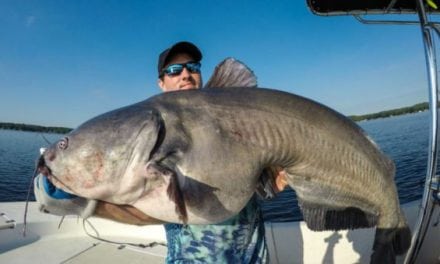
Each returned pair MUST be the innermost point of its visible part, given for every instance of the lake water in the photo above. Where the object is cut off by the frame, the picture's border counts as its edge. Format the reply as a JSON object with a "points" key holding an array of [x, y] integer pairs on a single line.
{"points": [[404, 138]]}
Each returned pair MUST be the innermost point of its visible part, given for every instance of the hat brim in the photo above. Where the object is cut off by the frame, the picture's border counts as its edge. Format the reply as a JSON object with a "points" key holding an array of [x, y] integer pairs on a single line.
{"points": [[180, 47]]}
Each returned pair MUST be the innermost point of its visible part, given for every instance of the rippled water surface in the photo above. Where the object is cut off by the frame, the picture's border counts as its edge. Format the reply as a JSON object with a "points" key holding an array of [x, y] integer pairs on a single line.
{"points": [[18, 153]]}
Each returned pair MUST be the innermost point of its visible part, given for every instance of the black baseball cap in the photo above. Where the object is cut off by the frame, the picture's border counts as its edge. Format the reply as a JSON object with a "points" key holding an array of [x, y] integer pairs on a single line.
{"points": [[179, 47]]}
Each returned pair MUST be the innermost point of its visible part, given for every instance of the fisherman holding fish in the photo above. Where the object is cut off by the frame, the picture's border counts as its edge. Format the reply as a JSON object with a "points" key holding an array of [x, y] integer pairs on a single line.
{"points": [[239, 239], [197, 157]]}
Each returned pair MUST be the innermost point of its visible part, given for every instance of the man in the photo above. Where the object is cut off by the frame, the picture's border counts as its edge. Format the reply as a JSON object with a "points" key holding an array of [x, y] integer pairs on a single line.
{"points": [[179, 68], [239, 239]]}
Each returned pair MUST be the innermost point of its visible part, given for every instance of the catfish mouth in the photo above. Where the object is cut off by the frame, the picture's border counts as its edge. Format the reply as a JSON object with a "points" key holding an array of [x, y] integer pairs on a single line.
{"points": [[43, 168]]}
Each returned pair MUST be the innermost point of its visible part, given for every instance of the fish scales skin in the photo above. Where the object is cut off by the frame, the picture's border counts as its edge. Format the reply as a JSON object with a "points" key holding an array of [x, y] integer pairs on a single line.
{"points": [[216, 142], [316, 165], [257, 131], [252, 129], [359, 164]]}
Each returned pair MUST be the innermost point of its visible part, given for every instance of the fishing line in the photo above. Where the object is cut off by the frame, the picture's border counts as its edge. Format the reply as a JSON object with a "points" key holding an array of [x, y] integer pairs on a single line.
{"points": [[79, 253], [27, 199], [61, 221], [45, 139], [97, 237]]}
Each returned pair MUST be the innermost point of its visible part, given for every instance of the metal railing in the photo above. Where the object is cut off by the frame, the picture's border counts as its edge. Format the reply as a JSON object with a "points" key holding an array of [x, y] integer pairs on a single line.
{"points": [[431, 194]]}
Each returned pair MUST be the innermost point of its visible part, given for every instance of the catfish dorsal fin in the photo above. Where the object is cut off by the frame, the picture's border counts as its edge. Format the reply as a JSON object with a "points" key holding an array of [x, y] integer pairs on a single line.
{"points": [[232, 73]]}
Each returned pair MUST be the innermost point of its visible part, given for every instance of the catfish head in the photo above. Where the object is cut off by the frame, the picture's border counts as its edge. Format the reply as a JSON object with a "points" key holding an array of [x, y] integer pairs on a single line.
{"points": [[105, 157]]}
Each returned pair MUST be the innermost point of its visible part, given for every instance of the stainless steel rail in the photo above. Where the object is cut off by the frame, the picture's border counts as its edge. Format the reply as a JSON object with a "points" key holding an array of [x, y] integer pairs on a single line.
{"points": [[431, 188], [427, 204]]}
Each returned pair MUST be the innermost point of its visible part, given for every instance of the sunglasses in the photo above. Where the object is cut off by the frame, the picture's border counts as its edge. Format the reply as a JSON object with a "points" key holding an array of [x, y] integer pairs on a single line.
{"points": [[176, 69]]}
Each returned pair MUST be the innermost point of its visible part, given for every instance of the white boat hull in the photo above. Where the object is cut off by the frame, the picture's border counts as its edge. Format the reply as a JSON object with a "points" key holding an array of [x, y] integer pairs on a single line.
{"points": [[290, 242], [293, 242]]}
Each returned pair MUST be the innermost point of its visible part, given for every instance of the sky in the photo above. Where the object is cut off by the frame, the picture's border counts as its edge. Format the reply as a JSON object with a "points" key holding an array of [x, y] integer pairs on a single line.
{"points": [[64, 62]]}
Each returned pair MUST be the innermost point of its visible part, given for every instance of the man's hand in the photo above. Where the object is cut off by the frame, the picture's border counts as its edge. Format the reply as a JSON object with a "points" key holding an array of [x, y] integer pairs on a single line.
{"points": [[280, 179], [55, 201], [272, 181]]}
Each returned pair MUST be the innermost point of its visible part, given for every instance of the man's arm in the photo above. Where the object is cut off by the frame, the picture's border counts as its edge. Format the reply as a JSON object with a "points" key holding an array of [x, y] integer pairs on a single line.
{"points": [[124, 213]]}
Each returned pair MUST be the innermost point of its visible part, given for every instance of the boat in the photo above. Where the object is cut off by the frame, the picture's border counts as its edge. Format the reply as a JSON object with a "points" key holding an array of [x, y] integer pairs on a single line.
{"points": [[50, 239]]}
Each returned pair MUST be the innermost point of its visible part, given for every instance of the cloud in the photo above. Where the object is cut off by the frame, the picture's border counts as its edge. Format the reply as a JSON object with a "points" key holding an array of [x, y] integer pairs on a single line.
{"points": [[30, 20]]}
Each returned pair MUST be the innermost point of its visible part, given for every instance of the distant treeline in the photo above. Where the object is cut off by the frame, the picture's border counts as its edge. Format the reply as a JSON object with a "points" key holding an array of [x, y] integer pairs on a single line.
{"points": [[63, 130], [35, 128], [399, 111]]}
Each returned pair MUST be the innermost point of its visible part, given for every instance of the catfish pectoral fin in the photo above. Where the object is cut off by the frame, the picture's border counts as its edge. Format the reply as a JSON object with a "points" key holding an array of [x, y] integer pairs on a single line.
{"points": [[174, 191]]}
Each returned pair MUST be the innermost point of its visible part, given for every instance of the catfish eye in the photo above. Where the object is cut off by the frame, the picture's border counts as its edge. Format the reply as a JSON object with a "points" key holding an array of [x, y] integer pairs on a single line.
{"points": [[63, 143]]}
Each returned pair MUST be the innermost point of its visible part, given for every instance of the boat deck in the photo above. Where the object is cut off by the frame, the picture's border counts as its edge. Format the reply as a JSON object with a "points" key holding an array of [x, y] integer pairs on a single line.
{"points": [[46, 243], [290, 242], [82, 250]]}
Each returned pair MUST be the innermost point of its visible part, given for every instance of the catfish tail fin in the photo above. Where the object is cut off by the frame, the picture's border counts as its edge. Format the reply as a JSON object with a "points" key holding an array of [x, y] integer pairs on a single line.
{"points": [[385, 248]]}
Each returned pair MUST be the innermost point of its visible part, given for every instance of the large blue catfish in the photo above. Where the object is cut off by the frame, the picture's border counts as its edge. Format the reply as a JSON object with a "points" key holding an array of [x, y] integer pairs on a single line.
{"points": [[197, 157]]}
